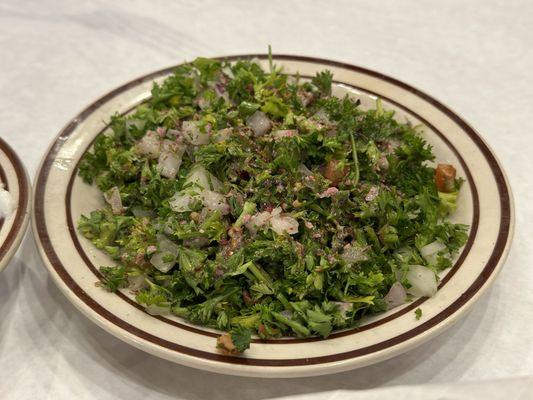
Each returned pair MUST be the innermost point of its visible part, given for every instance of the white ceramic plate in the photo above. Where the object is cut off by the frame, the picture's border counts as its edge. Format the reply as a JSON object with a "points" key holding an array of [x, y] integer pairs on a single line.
{"points": [[485, 204], [14, 179]]}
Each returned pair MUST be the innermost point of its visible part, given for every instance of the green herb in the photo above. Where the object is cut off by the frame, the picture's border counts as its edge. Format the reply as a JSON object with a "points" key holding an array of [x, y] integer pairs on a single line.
{"points": [[257, 203], [241, 338], [418, 313]]}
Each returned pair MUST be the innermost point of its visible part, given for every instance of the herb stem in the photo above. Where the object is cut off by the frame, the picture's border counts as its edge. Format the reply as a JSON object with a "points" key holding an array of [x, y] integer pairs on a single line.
{"points": [[295, 326], [270, 62], [355, 161]]}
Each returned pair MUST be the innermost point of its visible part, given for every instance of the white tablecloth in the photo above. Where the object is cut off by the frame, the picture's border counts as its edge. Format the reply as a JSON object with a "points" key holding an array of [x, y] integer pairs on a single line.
{"points": [[56, 56]]}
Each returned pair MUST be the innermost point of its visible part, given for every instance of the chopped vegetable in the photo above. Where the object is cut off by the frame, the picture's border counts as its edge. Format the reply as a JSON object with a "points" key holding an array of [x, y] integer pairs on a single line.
{"points": [[257, 203], [445, 178]]}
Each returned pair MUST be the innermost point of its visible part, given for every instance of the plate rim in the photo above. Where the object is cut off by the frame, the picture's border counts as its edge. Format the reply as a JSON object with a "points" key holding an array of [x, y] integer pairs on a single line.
{"points": [[300, 370], [22, 215]]}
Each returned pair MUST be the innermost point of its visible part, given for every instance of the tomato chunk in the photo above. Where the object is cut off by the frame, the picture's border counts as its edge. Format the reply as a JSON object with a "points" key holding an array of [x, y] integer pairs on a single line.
{"points": [[334, 172], [445, 178]]}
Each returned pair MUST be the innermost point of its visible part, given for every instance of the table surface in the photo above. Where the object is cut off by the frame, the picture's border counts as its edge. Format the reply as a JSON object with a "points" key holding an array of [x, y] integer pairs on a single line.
{"points": [[58, 56]]}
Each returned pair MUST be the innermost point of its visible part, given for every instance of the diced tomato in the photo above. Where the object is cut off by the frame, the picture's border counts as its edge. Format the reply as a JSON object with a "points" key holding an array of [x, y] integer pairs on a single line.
{"points": [[334, 172], [445, 178], [225, 344]]}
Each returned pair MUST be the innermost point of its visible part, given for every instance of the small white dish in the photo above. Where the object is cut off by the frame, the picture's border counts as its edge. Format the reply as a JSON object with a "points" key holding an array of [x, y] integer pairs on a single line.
{"points": [[14, 180], [485, 204]]}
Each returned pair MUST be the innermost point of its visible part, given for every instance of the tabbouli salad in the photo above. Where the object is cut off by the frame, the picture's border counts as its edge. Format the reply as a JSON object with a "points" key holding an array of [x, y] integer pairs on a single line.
{"points": [[258, 203]]}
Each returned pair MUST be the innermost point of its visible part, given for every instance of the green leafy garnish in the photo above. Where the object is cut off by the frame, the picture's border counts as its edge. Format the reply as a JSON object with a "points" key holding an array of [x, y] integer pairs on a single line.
{"points": [[255, 202]]}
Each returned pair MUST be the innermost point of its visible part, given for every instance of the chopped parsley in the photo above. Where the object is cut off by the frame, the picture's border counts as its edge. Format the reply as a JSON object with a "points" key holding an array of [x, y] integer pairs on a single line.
{"points": [[257, 203]]}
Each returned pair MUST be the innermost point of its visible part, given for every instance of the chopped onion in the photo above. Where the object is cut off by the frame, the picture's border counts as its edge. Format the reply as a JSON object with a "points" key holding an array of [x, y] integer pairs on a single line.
{"points": [[192, 133], [430, 251], [279, 222], [159, 261], [165, 257], [112, 197], [284, 133], [372, 193], [276, 211], [153, 309], [214, 201], [331, 191], [222, 135], [150, 144], [396, 296], [228, 72], [423, 281], [343, 307], [284, 223], [169, 160], [202, 178], [180, 202], [257, 221], [137, 282], [354, 253], [168, 164], [259, 123]]}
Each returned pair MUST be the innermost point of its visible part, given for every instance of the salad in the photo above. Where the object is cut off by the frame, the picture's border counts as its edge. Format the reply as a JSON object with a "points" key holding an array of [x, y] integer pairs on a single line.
{"points": [[258, 203]]}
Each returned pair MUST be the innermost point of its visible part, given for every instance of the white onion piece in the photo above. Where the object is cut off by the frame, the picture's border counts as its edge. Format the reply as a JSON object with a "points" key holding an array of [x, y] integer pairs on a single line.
{"points": [[112, 197], [343, 307], [214, 201], [259, 123], [222, 135], [396, 296], [430, 251], [168, 164], [423, 281], [354, 253], [228, 72], [165, 244], [150, 144], [166, 249], [284, 133], [137, 282], [284, 223], [181, 202], [192, 133], [158, 260], [170, 158], [276, 211], [153, 309], [257, 221], [202, 178]]}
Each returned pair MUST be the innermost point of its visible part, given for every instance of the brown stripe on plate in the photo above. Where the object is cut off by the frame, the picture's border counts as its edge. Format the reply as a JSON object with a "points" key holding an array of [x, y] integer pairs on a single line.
{"points": [[22, 205], [289, 340], [498, 250], [3, 181]]}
